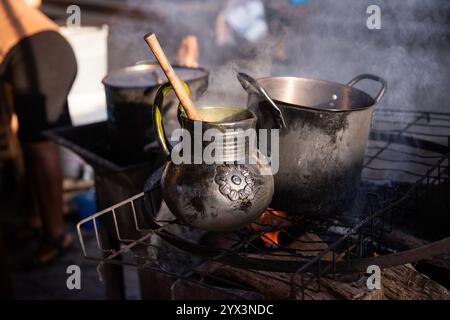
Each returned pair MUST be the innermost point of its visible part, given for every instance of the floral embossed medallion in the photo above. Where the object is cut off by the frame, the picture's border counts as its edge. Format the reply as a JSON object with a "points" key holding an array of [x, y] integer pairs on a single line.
{"points": [[235, 182]]}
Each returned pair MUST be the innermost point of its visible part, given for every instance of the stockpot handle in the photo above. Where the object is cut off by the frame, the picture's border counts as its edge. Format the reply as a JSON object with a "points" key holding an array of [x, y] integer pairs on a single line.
{"points": [[364, 76], [158, 126], [246, 82]]}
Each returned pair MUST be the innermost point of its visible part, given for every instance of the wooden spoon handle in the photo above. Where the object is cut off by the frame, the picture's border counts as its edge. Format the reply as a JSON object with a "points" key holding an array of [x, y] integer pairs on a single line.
{"points": [[180, 91]]}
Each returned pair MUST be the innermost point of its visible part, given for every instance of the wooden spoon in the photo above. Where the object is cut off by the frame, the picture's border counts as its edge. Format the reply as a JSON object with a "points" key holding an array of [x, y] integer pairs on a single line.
{"points": [[177, 85]]}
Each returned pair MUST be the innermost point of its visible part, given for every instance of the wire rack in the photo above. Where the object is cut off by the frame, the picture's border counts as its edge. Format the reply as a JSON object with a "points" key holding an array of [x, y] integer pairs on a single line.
{"points": [[410, 148]]}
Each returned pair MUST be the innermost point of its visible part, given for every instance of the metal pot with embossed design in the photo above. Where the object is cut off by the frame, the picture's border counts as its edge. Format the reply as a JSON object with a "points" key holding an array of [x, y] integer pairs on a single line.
{"points": [[226, 191]]}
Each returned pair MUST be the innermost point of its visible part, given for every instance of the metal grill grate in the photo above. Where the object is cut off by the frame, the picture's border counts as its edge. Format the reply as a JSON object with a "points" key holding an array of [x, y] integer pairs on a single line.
{"points": [[410, 148]]}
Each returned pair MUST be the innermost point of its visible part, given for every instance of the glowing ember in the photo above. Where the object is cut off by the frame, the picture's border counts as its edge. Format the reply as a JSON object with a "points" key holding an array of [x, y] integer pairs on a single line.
{"points": [[271, 238], [270, 218]]}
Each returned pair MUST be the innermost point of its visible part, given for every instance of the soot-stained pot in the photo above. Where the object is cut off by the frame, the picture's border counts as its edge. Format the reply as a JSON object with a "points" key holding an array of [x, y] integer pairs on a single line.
{"points": [[219, 196], [322, 147], [130, 93]]}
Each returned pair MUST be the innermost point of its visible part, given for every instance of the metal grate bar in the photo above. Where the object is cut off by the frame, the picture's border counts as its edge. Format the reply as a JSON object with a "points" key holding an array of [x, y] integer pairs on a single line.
{"points": [[345, 238]]}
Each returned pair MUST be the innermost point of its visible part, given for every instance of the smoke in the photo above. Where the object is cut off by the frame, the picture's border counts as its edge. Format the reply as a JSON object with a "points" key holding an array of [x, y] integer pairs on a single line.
{"points": [[326, 39], [333, 43]]}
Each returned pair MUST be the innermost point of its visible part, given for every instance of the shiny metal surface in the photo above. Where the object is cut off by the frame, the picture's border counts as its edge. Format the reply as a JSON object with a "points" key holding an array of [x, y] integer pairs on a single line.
{"points": [[221, 196], [248, 83], [322, 147], [145, 75], [318, 94], [130, 93]]}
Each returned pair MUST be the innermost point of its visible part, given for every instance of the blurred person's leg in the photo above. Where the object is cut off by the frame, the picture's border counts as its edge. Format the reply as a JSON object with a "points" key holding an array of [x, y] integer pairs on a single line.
{"points": [[41, 70], [31, 227], [46, 180]]}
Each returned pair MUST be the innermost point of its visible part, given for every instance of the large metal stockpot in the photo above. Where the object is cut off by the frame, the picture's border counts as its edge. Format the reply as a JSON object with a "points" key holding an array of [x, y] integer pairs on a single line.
{"points": [[322, 146], [130, 93]]}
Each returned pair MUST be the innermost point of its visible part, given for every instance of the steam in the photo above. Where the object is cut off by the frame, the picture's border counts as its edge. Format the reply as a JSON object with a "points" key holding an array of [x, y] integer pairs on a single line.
{"points": [[326, 39], [333, 43]]}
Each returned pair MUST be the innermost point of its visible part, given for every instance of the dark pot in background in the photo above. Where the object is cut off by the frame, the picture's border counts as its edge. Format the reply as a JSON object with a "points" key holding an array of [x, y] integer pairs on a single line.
{"points": [[130, 93]]}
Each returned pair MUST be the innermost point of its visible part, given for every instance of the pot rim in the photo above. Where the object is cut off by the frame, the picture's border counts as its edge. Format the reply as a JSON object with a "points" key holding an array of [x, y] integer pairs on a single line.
{"points": [[149, 67], [251, 118], [326, 82]]}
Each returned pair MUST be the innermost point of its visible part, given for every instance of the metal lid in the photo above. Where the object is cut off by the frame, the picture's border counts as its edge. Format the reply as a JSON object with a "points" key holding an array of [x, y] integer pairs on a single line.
{"points": [[148, 75]]}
